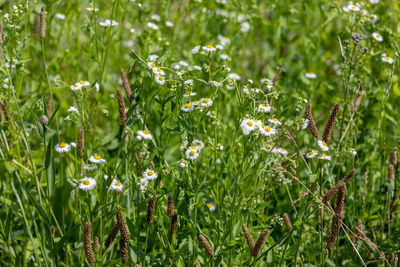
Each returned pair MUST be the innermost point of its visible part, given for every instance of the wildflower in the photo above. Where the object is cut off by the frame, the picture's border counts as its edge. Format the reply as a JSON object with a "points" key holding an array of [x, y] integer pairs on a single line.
{"points": [[183, 63], [60, 16], [323, 145], [92, 9], [224, 57], [169, 24], [187, 82], [209, 48], [305, 124], [160, 79], [152, 25], [373, 18], [219, 47], [149, 174], [248, 126], [97, 159], [180, 73], [311, 154], [189, 94], [266, 130], [182, 165], [206, 102], [377, 36], [106, 177], [197, 143], [264, 108], [325, 156], [115, 185], [280, 150], [211, 206], [158, 71], [187, 107], [90, 167], [145, 134], [234, 76], [244, 26], [216, 84], [72, 109], [311, 75], [374, 1], [153, 57], [275, 121], [143, 184], [151, 65], [387, 59], [351, 7], [196, 49], [197, 67], [192, 153], [183, 145], [73, 144], [155, 17], [224, 40], [62, 147], [108, 23], [87, 183], [75, 87]]}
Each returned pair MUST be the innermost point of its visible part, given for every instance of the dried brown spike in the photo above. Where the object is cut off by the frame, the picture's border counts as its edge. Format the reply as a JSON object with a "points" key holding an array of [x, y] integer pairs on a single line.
{"points": [[42, 23], [111, 236], [87, 243], [125, 82], [357, 102], [122, 226], [203, 241], [249, 238], [331, 121], [390, 173], [1, 32], [7, 111], [287, 221], [332, 192], [347, 178], [150, 208], [311, 122], [81, 142], [52, 230], [96, 243], [334, 234], [174, 222], [340, 201], [394, 157], [121, 108], [259, 243], [359, 226], [339, 216], [123, 251], [170, 208]]}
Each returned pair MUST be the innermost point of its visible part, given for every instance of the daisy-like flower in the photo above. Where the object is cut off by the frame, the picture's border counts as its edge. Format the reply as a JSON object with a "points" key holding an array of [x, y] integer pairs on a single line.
{"points": [[244, 26], [183, 63], [264, 108], [149, 174], [72, 109], [224, 57], [97, 159], [323, 145], [189, 93], [183, 145], [60, 16], [352, 7], [374, 1], [196, 103], [325, 156], [62, 147], [181, 72], [311, 154], [90, 167], [373, 18], [248, 126], [160, 79], [84, 83], [211, 206], [106, 177], [87, 183], [75, 87], [216, 84], [197, 67], [234, 76], [311, 75], [73, 144], [280, 150], [192, 153], [153, 57], [219, 47], [169, 24], [196, 49], [198, 144], [108, 23], [116, 185], [387, 59], [145, 134], [187, 82], [206, 102], [266, 130], [224, 40], [158, 71], [209, 48], [143, 184], [377, 36], [151, 66], [275, 121], [155, 17], [92, 9], [187, 107], [151, 25]]}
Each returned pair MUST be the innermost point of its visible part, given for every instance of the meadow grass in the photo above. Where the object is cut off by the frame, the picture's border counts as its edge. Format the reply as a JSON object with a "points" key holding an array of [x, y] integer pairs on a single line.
{"points": [[199, 133]]}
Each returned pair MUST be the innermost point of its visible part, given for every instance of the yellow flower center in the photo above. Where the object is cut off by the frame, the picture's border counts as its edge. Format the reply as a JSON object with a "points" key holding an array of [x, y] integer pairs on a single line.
{"points": [[353, 7], [183, 71], [192, 153], [324, 144], [76, 85], [387, 58], [267, 129], [158, 69], [206, 100], [112, 22], [210, 46], [86, 182], [263, 105], [312, 153], [62, 145], [283, 150], [97, 157], [152, 65], [161, 78], [188, 105], [150, 173], [275, 119], [250, 123], [189, 93], [323, 155], [210, 205], [112, 176], [92, 8], [117, 184], [197, 102], [146, 132], [82, 82]]}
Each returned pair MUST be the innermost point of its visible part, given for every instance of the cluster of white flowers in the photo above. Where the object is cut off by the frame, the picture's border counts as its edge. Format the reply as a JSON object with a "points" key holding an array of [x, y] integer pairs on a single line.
{"points": [[79, 85], [250, 125], [148, 175], [108, 23], [158, 72], [144, 134], [194, 150]]}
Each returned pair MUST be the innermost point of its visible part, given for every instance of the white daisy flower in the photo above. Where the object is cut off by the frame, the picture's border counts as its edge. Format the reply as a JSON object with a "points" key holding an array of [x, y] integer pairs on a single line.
{"points": [[106, 177], [234, 76], [377, 37], [189, 94], [219, 47], [373, 18], [192, 153], [352, 7], [305, 124], [180, 73], [75, 87], [160, 79], [206, 102], [90, 167], [197, 144], [143, 184], [211, 206], [115, 185], [187, 107], [244, 26], [158, 71], [196, 49], [323, 145], [209, 48], [87, 183], [72, 109], [190, 81], [108, 23], [155, 17], [169, 24], [60, 16], [311, 75], [151, 66], [311, 154], [325, 156], [264, 108], [387, 59], [62, 147], [374, 1], [149, 174], [280, 150], [145, 134], [73, 144], [183, 63], [248, 126], [152, 25], [266, 130], [216, 84], [183, 145], [153, 57], [224, 40], [197, 67], [84, 83], [224, 57], [92, 9], [97, 159], [354, 153], [275, 121], [182, 165]]}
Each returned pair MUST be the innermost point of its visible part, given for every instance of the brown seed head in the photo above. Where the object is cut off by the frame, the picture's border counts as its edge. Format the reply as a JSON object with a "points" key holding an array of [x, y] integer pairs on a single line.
{"points": [[259, 243], [111, 236], [357, 102], [121, 108], [96, 243], [87, 243], [287, 221], [150, 208], [125, 82], [42, 23], [394, 157], [172, 230], [122, 226], [331, 121], [390, 173], [123, 251], [249, 238], [207, 247], [170, 208], [311, 122]]}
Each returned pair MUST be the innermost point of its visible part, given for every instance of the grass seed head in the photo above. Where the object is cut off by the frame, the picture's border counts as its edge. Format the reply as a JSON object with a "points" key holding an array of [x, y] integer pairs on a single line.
{"points": [[87, 243], [207, 247], [331, 121]]}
